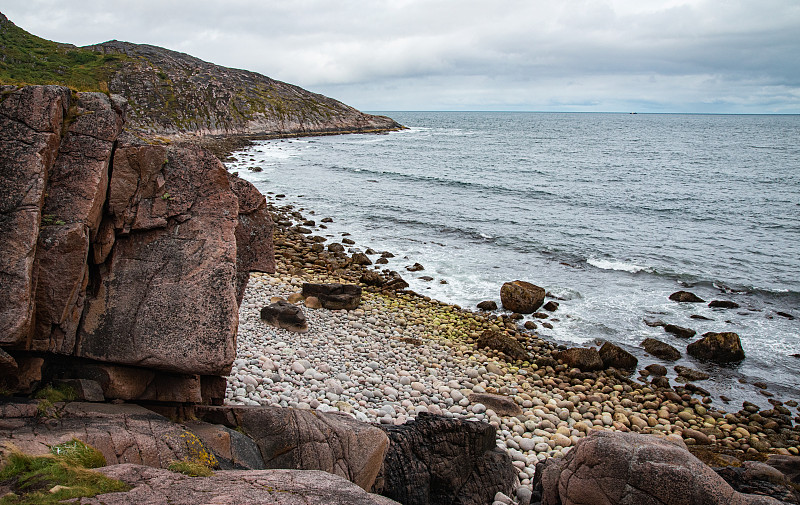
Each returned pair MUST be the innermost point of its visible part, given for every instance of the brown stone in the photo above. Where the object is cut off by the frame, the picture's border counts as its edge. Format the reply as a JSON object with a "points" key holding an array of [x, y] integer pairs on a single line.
{"points": [[503, 343], [285, 315], [685, 296], [679, 331], [660, 349], [521, 296], [617, 357], [501, 404], [720, 347], [584, 358], [334, 296]]}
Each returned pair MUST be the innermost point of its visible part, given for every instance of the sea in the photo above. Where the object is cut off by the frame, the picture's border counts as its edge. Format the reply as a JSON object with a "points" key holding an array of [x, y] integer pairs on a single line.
{"points": [[609, 212]]}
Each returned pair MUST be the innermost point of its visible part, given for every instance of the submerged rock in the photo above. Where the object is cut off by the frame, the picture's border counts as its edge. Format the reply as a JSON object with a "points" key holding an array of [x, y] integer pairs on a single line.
{"points": [[660, 349], [685, 296], [679, 331], [723, 304]]}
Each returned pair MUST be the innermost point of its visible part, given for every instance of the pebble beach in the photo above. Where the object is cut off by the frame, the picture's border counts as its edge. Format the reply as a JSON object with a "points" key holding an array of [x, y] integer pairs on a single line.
{"points": [[399, 354]]}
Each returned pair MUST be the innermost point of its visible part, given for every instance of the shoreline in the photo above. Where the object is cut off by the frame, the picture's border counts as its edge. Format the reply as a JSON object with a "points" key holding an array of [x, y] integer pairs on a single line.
{"points": [[436, 343]]}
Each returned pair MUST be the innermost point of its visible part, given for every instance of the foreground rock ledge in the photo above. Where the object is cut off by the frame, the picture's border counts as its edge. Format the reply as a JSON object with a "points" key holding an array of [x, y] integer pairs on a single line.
{"points": [[233, 487]]}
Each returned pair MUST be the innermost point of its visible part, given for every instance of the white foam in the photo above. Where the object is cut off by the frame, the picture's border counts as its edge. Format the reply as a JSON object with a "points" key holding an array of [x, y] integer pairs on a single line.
{"points": [[615, 265]]}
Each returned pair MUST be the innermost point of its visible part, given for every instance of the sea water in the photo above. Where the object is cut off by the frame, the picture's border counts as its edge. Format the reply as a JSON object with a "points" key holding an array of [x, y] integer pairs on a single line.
{"points": [[609, 212]]}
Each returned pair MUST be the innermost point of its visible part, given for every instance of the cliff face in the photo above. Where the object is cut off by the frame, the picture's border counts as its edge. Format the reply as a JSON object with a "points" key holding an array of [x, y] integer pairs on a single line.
{"points": [[170, 93], [117, 252]]}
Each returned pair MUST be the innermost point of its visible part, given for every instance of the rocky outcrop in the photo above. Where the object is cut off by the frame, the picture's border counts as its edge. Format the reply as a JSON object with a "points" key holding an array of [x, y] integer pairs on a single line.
{"points": [[521, 297], [263, 487], [608, 468], [308, 440], [617, 357], [660, 349], [118, 251], [444, 461], [720, 347]]}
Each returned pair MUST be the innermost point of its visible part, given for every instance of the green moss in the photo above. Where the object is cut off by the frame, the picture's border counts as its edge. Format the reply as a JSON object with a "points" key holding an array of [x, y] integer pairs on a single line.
{"points": [[190, 468], [28, 59], [53, 394], [32, 478]]}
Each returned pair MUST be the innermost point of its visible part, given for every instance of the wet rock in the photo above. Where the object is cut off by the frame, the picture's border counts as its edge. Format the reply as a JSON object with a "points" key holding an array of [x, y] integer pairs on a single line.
{"points": [[786, 315], [361, 259], [285, 315], [679, 331], [521, 296], [757, 478], [335, 247], [723, 304], [488, 305], [614, 467], [445, 461], [692, 375], [372, 278], [685, 296], [720, 347], [334, 296], [503, 343], [530, 325], [656, 369], [660, 349], [416, 267], [617, 357], [583, 358], [551, 306]]}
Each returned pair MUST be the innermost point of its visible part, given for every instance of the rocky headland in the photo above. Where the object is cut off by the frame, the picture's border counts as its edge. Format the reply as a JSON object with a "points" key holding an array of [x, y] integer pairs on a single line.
{"points": [[207, 344]]}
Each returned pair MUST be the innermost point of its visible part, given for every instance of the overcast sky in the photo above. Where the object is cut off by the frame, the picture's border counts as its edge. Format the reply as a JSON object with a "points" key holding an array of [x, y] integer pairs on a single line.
{"points": [[541, 55]]}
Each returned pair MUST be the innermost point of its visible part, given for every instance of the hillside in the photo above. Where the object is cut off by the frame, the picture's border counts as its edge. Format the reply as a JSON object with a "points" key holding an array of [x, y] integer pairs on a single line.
{"points": [[171, 93]]}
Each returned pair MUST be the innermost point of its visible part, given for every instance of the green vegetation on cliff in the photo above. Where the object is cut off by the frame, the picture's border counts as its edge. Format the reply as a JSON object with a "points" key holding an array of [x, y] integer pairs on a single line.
{"points": [[171, 93], [28, 59]]}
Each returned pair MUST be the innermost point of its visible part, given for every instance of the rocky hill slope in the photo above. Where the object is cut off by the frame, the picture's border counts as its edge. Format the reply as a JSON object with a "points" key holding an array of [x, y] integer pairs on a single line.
{"points": [[170, 93]]}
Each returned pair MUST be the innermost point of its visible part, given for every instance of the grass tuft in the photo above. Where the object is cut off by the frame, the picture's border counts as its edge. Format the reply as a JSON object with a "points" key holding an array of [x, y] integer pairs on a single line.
{"points": [[190, 468]]}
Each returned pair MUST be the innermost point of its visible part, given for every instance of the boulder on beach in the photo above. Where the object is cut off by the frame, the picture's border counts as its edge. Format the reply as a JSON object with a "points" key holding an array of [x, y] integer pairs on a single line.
{"points": [[660, 349], [617, 357], [583, 358], [285, 315], [360, 258], [334, 296], [503, 343], [656, 369], [609, 467], [679, 331], [488, 305], [434, 459], [685, 296], [691, 374], [501, 404], [521, 296], [720, 347]]}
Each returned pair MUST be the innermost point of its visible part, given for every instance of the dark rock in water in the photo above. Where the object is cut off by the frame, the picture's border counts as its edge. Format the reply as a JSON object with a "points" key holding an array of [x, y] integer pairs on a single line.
{"points": [[757, 478], [702, 318], [372, 278], [551, 306], [656, 369], [522, 297], [660, 349], [692, 375], [515, 316], [720, 347], [348, 241], [382, 261], [530, 325], [786, 315], [387, 254], [583, 358], [361, 259], [488, 305], [395, 282], [327, 220], [617, 357], [653, 323], [503, 343], [416, 267], [540, 315], [370, 251], [609, 467], [547, 325], [335, 247], [426, 278], [285, 315], [685, 296], [444, 461], [679, 331], [723, 304], [334, 296]]}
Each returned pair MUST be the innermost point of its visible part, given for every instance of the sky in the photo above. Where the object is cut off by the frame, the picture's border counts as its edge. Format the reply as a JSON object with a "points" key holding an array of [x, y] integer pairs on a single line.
{"points": [[703, 56]]}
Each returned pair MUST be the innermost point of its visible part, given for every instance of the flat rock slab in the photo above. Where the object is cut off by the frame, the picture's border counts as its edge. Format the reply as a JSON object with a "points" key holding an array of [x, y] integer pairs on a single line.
{"points": [[233, 487]]}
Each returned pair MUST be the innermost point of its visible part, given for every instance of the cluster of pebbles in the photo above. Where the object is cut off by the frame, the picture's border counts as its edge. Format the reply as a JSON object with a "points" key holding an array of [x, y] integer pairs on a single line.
{"points": [[400, 354]]}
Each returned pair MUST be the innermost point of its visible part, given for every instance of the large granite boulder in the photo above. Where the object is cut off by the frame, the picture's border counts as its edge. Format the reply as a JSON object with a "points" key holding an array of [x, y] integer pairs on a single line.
{"points": [[720, 347], [434, 459], [502, 342], [521, 297], [31, 121], [308, 440], [608, 468], [255, 251], [660, 349], [232, 487], [334, 296], [617, 357], [584, 358]]}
